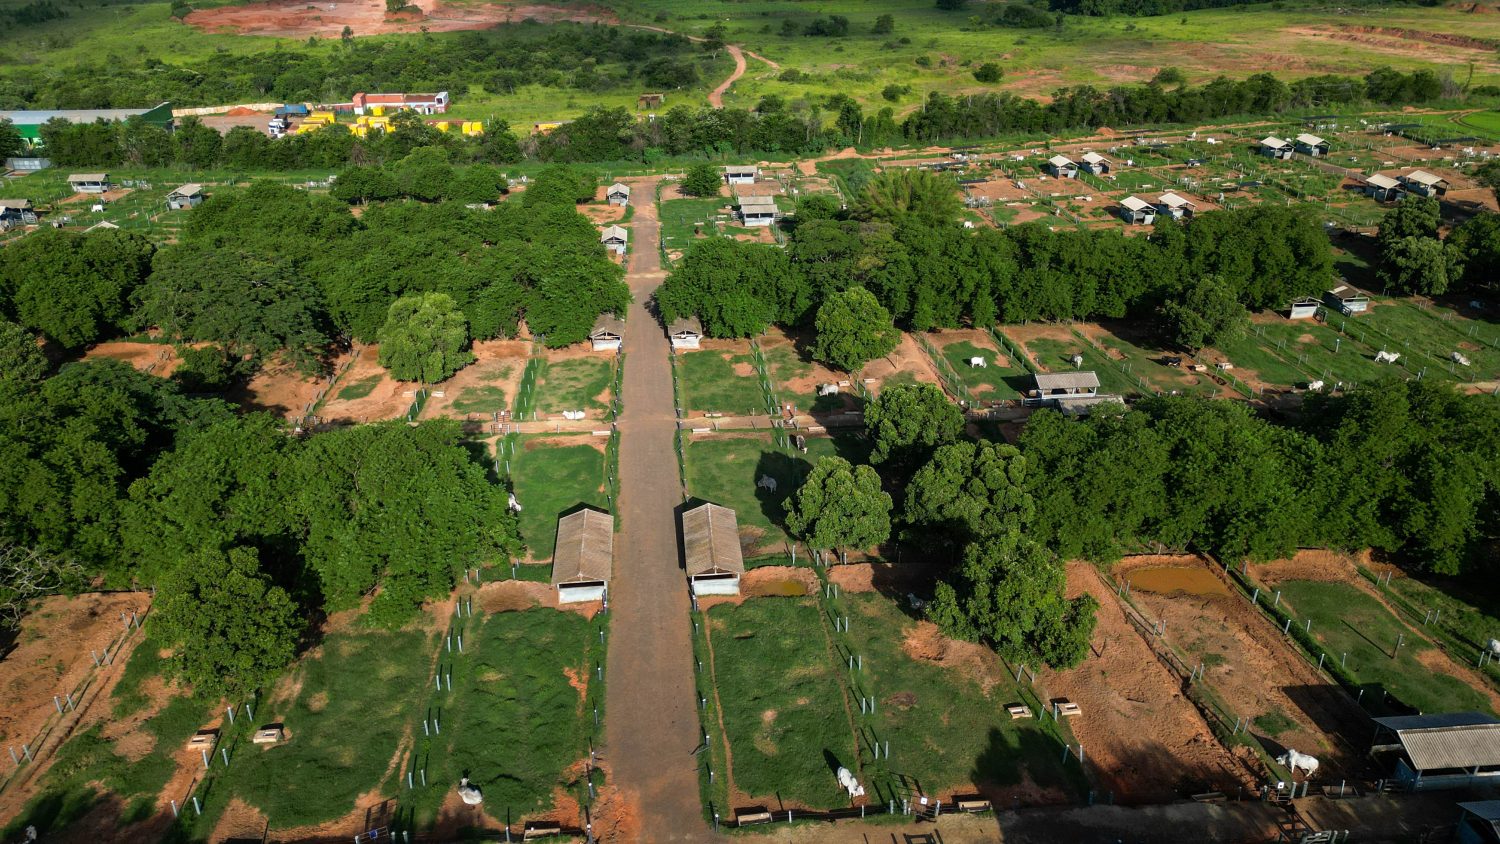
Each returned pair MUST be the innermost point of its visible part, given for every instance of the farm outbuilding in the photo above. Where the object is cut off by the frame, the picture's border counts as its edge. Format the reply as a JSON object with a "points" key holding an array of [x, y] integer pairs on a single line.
{"points": [[741, 174], [1274, 147], [187, 196], [1051, 386], [608, 333], [1423, 183], [17, 211], [1095, 163], [88, 182], [1137, 211], [1305, 308], [1479, 822], [582, 563], [614, 239], [685, 333], [618, 194], [650, 100], [711, 550], [1312, 145], [1175, 206], [1382, 188], [28, 124], [1445, 750], [1347, 299], [1062, 167], [757, 210]]}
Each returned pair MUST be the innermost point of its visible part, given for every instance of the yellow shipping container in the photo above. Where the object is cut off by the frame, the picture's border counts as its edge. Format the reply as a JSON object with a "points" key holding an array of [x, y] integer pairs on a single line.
{"points": [[377, 110]]}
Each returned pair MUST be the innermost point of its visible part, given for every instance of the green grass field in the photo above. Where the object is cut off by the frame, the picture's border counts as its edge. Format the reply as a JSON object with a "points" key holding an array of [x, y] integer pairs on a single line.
{"points": [[1346, 620], [1428, 338], [1056, 356], [484, 398], [709, 383], [1145, 362], [359, 389], [679, 217], [724, 470], [549, 480], [945, 729], [781, 690], [354, 703], [993, 382], [573, 384], [513, 722], [1323, 352]]}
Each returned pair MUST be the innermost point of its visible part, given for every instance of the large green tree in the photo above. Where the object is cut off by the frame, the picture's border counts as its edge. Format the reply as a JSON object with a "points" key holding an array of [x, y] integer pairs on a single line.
{"points": [[75, 288], [1422, 265], [969, 490], [425, 339], [1206, 314], [736, 289], [701, 180], [229, 627], [20, 357], [907, 422], [852, 329], [840, 506], [907, 193]]}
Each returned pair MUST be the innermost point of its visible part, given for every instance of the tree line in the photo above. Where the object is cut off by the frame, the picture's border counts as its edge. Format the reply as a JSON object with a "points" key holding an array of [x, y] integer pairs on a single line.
{"points": [[898, 242], [270, 269]]}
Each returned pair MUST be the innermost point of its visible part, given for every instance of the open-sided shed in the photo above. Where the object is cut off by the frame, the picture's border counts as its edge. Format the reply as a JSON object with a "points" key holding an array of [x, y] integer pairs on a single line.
{"points": [[1053, 386], [757, 210], [618, 194], [608, 333], [685, 333], [1274, 147], [711, 550], [1137, 211], [1062, 167], [583, 559], [1479, 822], [1382, 188], [188, 196], [89, 182], [1311, 145], [1444, 750]]}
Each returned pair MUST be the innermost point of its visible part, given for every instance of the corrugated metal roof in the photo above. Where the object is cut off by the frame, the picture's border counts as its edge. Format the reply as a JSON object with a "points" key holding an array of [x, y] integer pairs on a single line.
{"points": [[711, 541], [685, 325], [756, 202], [1447, 740], [1422, 177], [1383, 182], [19, 204], [1273, 142], [190, 189], [1135, 203], [619, 187], [88, 177], [608, 324], [614, 232], [1310, 140], [585, 547], [741, 170], [1172, 200], [1488, 810], [1094, 158], [1061, 161], [1085, 380]]}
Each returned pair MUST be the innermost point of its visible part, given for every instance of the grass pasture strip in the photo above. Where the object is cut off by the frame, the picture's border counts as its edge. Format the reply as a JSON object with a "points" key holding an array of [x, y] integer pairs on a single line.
{"points": [[724, 470], [991, 382], [549, 480], [1323, 352], [514, 722], [680, 218], [484, 398], [783, 703], [573, 384], [351, 709], [710, 383], [950, 732], [1347, 620], [1056, 356], [1401, 326]]}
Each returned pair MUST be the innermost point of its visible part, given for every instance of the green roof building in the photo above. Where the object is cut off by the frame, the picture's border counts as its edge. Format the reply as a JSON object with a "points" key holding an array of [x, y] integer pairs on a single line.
{"points": [[29, 123]]}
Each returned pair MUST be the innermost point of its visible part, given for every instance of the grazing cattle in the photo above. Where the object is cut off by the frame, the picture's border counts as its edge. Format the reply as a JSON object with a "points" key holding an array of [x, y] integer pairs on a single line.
{"points": [[850, 784], [1294, 760]]}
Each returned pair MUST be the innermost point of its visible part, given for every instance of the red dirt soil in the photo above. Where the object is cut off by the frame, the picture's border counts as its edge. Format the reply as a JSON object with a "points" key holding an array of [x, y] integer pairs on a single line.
{"points": [[154, 358], [388, 400], [280, 389], [300, 18], [764, 582], [908, 357], [1144, 740], [498, 363]]}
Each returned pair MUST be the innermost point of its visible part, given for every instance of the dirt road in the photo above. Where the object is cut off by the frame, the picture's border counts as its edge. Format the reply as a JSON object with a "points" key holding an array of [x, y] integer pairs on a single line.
{"points": [[652, 724], [716, 97]]}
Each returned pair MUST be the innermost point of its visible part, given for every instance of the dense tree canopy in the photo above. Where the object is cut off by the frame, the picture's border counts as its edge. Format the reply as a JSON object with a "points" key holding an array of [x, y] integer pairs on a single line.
{"points": [[840, 506], [424, 339], [907, 422], [853, 329], [75, 288]]}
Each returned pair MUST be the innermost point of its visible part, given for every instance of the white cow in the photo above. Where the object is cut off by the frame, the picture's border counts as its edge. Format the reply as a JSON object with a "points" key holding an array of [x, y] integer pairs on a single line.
{"points": [[767, 483], [1458, 358], [979, 363], [828, 389], [469, 793], [1315, 385], [97, 208], [1387, 357], [1494, 647], [850, 784], [1294, 760], [515, 506]]}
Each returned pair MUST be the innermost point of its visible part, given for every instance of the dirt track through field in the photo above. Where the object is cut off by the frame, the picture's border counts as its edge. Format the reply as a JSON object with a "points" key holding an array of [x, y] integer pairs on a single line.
{"points": [[652, 727]]}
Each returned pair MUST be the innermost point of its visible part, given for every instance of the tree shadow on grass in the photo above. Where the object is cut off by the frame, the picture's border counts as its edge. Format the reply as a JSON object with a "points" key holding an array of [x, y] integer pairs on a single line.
{"points": [[788, 472]]}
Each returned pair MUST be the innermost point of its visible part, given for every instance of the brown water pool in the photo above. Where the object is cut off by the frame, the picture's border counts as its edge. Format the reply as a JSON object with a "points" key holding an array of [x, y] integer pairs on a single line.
{"points": [[1169, 580]]}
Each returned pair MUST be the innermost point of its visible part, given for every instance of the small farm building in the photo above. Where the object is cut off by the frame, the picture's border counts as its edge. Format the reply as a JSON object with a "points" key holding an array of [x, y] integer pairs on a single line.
{"points": [[1347, 300], [1303, 309], [711, 550], [685, 333], [1382, 188], [28, 163], [650, 100], [737, 174], [14, 211], [1137, 211], [757, 210], [1274, 147], [582, 562], [1175, 206], [1051, 386], [89, 182], [618, 194], [1423, 183], [1446, 750], [614, 239], [1311, 145], [608, 333], [187, 196], [1062, 167], [1095, 163], [1479, 822]]}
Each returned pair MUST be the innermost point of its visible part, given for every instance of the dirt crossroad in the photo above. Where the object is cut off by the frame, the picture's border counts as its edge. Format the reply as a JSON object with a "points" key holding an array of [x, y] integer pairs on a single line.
{"points": [[652, 727]]}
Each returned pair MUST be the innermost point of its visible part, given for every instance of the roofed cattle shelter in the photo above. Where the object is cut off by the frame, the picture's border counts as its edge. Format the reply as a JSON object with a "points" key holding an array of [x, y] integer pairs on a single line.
{"points": [[1311, 145], [614, 239], [757, 210], [608, 333], [187, 196], [741, 175], [711, 550], [1137, 211], [1423, 183], [1347, 299], [1447, 750], [1062, 167], [1303, 308], [89, 182], [583, 561], [1274, 147], [17, 211], [1382, 188], [1095, 163], [1175, 206], [1051, 386], [618, 194], [685, 333]]}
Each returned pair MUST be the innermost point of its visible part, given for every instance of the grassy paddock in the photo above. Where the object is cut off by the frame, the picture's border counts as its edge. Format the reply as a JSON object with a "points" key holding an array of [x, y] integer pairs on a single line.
{"points": [[679, 217], [724, 470], [1347, 620], [709, 383], [993, 382], [573, 384], [783, 705], [1057, 355], [549, 480]]}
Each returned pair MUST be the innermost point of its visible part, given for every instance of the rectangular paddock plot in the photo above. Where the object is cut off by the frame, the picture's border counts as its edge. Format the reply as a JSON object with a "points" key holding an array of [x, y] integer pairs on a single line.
{"points": [[720, 380], [553, 475]]}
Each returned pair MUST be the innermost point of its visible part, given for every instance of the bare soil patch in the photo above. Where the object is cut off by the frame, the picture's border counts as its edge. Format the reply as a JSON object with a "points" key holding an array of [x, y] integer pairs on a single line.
{"points": [[301, 19], [280, 389], [1248, 662], [1147, 741], [926, 642], [388, 399], [1314, 564], [154, 358], [908, 359], [767, 582], [514, 595], [886, 578], [498, 364]]}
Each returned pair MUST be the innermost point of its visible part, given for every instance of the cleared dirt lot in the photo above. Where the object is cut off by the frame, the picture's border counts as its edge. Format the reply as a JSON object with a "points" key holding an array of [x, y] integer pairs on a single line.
{"points": [[1143, 738], [300, 19], [366, 393], [157, 359], [487, 385]]}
